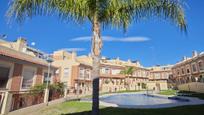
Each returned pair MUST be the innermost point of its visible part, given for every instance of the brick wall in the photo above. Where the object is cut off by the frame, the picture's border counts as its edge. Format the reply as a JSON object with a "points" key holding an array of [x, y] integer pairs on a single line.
{"points": [[75, 73], [16, 78]]}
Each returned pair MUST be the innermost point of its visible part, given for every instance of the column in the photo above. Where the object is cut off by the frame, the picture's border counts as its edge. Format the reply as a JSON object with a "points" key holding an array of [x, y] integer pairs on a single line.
{"points": [[16, 78]]}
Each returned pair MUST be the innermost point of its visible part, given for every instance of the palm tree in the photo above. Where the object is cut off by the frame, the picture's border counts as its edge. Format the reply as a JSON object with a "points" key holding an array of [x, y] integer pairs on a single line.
{"points": [[100, 13], [128, 72]]}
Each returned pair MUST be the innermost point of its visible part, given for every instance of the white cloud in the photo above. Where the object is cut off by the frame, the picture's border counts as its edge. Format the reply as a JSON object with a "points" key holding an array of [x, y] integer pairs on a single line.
{"points": [[114, 39], [74, 49]]}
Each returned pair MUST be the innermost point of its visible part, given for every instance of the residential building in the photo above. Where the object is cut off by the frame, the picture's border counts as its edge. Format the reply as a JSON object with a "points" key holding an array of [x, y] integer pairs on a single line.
{"points": [[132, 82], [75, 74], [21, 67], [161, 74], [190, 69], [75, 71]]}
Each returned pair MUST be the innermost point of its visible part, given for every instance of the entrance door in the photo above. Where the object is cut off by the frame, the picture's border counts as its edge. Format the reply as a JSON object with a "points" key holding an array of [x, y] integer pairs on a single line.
{"points": [[158, 88], [4, 76]]}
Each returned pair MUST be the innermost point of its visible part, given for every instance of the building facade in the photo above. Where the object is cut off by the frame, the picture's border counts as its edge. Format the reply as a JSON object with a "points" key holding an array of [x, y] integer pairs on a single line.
{"points": [[189, 69], [75, 74], [161, 74], [21, 67], [75, 71]]}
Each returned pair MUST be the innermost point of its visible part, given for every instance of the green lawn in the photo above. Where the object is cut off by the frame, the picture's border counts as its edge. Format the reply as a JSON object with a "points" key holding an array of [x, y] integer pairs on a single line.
{"points": [[168, 92], [83, 108]]}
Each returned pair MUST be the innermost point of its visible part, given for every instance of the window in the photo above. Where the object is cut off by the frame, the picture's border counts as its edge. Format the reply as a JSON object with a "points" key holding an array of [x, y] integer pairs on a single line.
{"points": [[46, 78], [165, 76], [194, 67], [66, 72], [28, 75], [201, 66], [178, 73], [202, 78], [88, 74], [81, 73], [116, 71], [182, 70], [139, 73], [188, 70], [157, 75], [147, 73], [107, 71]]}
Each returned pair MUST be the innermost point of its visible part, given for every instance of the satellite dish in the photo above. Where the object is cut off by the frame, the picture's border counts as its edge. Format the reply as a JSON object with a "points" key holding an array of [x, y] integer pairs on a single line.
{"points": [[33, 43]]}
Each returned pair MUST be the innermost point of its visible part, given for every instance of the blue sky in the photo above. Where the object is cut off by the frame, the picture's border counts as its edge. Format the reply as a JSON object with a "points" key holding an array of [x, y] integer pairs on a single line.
{"points": [[151, 42]]}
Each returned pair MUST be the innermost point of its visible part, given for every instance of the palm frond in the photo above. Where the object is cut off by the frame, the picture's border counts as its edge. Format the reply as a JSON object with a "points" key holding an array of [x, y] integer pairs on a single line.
{"points": [[117, 13], [128, 71], [77, 10], [120, 13]]}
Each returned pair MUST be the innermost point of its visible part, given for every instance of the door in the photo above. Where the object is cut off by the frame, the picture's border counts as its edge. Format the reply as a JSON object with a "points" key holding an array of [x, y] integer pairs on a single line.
{"points": [[158, 88]]}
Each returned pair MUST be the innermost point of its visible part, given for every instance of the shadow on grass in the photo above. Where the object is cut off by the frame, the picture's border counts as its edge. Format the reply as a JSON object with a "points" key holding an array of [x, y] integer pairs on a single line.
{"points": [[184, 110]]}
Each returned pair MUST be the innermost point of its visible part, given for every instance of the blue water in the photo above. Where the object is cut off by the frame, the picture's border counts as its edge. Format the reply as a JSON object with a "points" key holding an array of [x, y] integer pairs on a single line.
{"points": [[136, 99]]}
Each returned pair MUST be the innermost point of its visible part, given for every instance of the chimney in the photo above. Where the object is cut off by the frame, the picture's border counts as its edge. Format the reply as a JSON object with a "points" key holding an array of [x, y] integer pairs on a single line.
{"points": [[184, 58], [138, 63], [21, 44], [118, 59], [129, 61], [74, 55], [195, 53]]}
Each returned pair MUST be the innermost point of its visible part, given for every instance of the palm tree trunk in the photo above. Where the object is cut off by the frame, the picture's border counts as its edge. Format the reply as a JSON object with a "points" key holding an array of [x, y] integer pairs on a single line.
{"points": [[96, 50]]}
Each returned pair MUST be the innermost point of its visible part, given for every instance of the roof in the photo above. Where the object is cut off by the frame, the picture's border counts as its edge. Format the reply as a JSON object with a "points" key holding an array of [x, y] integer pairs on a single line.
{"points": [[7, 52], [188, 60]]}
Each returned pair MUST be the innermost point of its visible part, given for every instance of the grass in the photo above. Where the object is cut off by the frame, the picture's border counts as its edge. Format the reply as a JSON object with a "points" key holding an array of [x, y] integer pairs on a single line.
{"points": [[83, 108], [168, 92]]}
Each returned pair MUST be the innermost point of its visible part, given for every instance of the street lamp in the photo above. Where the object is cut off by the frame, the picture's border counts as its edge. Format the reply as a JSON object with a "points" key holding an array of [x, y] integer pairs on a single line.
{"points": [[49, 60]]}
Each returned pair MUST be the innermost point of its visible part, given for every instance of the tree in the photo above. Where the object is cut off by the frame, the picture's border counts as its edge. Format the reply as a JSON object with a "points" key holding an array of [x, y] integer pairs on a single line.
{"points": [[128, 72], [100, 13]]}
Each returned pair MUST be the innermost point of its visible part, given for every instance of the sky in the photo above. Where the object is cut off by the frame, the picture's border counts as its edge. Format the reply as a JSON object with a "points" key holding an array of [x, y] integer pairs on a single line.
{"points": [[152, 42]]}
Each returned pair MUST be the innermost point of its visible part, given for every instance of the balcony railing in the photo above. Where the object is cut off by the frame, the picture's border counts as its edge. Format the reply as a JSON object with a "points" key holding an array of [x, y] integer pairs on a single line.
{"points": [[84, 77]]}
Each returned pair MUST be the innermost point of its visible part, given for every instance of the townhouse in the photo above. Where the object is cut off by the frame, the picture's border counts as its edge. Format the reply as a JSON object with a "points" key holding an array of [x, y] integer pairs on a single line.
{"points": [[21, 67], [161, 74], [131, 82], [111, 79], [75, 72], [190, 69]]}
